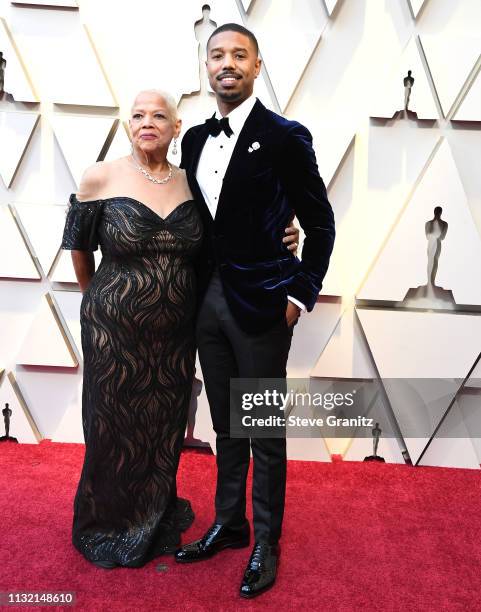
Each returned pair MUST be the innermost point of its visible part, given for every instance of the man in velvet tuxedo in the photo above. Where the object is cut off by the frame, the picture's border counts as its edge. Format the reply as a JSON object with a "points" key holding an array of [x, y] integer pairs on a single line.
{"points": [[251, 171]]}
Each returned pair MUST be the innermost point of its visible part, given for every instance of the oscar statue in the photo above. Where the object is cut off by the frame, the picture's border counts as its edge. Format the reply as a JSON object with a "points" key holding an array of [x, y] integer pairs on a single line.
{"points": [[376, 434], [7, 413], [408, 85], [4, 95], [405, 113], [432, 295]]}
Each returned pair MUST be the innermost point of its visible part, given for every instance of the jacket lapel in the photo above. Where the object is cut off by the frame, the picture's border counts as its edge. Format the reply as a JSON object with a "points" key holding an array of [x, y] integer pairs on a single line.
{"points": [[197, 147], [193, 162]]}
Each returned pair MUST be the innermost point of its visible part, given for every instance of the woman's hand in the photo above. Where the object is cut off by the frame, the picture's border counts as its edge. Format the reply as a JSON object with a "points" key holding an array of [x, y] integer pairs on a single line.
{"points": [[291, 238]]}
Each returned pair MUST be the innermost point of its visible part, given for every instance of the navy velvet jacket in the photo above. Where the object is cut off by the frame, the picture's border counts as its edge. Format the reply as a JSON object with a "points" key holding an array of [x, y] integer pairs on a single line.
{"points": [[261, 192]]}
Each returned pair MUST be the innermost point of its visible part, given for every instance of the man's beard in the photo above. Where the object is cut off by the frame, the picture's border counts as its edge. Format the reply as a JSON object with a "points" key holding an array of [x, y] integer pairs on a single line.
{"points": [[231, 96]]}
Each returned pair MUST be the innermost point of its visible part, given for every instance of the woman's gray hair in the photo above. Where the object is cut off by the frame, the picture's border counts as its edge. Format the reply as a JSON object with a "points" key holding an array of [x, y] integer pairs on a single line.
{"points": [[168, 99]]}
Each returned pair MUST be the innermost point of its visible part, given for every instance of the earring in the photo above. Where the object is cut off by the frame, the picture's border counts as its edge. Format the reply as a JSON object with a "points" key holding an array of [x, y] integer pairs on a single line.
{"points": [[174, 148]]}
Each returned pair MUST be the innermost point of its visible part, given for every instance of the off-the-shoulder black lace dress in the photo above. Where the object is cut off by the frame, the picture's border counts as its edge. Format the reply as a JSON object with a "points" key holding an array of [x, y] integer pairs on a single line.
{"points": [[137, 319]]}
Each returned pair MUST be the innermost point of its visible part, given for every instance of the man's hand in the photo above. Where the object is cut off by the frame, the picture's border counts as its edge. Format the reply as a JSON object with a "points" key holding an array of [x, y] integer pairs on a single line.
{"points": [[293, 312], [291, 238]]}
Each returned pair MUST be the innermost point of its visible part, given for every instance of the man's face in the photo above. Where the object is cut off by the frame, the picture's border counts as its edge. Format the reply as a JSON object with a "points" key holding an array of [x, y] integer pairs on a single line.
{"points": [[232, 66]]}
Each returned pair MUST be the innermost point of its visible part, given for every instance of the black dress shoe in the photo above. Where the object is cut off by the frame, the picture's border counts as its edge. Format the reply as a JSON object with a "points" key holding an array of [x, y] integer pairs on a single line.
{"points": [[260, 573], [216, 538]]}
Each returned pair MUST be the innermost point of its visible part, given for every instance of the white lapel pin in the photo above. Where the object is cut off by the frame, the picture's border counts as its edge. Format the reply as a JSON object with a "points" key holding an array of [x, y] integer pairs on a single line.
{"points": [[254, 146]]}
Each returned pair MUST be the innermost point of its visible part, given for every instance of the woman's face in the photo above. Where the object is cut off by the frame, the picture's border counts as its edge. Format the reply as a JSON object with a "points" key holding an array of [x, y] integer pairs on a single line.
{"points": [[151, 124]]}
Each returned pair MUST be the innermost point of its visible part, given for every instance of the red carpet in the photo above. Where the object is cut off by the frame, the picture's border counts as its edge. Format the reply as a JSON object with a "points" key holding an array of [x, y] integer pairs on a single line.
{"points": [[357, 536]]}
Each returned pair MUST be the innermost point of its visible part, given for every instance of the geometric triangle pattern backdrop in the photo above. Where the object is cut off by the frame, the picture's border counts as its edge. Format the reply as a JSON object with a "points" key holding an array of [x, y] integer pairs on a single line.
{"points": [[402, 297]]}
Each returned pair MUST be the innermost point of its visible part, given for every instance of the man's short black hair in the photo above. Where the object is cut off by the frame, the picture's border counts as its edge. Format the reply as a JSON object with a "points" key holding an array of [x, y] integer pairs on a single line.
{"points": [[235, 27]]}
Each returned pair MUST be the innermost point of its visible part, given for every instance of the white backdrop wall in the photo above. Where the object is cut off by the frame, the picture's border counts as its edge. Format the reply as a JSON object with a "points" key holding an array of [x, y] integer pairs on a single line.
{"points": [[338, 67]]}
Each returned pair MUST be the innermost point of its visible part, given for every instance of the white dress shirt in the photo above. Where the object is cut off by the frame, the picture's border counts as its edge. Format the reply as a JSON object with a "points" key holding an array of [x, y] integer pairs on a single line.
{"points": [[216, 154], [215, 158]]}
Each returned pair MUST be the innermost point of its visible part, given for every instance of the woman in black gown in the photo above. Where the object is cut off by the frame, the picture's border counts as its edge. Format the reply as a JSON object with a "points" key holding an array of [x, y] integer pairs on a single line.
{"points": [[137, 318]]}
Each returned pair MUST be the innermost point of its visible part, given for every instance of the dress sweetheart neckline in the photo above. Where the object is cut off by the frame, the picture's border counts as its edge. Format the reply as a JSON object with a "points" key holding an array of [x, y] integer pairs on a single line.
{"points": [[137, 202]]}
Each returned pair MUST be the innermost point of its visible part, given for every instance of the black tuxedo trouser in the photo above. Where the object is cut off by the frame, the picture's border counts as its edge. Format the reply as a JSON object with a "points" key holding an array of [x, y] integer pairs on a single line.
{"points": [[225, 352]]}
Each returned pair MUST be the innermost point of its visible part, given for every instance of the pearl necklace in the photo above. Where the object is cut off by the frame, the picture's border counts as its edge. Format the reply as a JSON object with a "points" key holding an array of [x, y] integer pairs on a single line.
{"points": [[151, 178]]}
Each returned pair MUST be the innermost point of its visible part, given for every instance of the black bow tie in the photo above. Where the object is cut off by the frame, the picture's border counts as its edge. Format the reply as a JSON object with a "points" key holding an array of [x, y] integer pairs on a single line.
{"points": [[216, 126]]}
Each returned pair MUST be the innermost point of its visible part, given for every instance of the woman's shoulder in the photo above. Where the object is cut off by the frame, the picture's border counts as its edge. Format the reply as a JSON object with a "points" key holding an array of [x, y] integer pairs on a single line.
{"points": [[96, 179]]}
